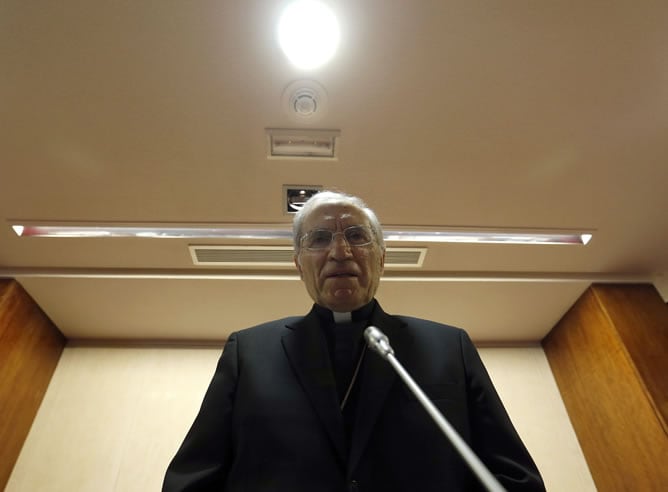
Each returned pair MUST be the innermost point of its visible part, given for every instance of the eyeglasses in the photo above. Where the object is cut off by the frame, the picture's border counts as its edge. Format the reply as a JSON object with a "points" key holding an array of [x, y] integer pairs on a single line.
{"points": [[320, 239]]}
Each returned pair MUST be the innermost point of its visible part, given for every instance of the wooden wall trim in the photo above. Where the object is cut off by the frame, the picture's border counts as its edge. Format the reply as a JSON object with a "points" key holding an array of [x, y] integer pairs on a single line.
{"points": [[643, 331], [30, 347], [597, 353]]}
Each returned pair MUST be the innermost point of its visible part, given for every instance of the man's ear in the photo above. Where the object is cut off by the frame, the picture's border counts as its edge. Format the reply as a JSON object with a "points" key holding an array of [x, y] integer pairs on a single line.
{"points": [[299, 266], [382, 262]]}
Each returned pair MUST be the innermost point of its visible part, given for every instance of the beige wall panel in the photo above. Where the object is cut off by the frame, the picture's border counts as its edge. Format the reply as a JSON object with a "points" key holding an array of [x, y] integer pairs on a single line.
{"points": [[113, 418], [524, 381]]}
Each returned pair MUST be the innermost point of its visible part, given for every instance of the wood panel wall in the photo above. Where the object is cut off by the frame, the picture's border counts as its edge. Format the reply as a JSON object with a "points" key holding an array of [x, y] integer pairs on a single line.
{"points": [[30, 346], [609, 356]]}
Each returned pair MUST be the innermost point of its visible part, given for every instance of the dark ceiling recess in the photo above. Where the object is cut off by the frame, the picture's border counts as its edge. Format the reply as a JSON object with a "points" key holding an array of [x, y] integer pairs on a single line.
{"points": [[295, 196]]}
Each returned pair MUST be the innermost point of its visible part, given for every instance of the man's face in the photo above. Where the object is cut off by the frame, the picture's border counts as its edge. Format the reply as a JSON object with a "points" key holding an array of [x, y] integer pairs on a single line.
{"points": [[341, 277]]}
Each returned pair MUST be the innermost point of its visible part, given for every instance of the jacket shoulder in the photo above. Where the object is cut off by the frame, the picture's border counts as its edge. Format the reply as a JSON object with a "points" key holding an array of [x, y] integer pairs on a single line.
{"points": [[268, 328], [425, 324]]}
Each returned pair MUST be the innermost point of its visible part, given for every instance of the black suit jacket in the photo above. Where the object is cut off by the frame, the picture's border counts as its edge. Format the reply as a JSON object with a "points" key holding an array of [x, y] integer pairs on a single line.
{"points": [[270, 420]]}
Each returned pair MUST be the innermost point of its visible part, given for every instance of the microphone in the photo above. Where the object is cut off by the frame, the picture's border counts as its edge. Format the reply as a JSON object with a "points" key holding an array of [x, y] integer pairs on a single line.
{"points": [[379, 343]]}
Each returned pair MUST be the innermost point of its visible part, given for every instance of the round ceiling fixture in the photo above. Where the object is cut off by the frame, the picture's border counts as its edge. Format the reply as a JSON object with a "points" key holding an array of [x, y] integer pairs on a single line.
{"points": [[305, 101], [308, 33]]}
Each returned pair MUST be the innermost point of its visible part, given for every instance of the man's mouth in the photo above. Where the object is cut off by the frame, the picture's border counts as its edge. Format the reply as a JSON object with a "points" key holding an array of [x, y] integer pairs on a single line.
{"points": [[341, 275]]}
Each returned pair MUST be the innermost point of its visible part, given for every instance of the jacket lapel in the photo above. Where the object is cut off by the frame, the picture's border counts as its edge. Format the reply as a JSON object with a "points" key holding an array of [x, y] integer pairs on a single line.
{"points": [[306, 349], [377, 379]]}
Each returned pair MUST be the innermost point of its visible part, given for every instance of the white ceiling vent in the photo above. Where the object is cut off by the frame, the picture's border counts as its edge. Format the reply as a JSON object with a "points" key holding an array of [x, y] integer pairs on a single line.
{"points": [[302, 144], [405, 257], [240, 256], [281, 256]]}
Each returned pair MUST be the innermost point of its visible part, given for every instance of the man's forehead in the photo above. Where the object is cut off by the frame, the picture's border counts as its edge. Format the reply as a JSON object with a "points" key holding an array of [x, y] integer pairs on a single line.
{"points": [[344, 215], [333, 213]]}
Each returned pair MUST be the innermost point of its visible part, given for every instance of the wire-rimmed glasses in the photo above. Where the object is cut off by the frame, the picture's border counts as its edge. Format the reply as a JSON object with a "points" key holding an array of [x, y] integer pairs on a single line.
{"points": [[321, 239]]}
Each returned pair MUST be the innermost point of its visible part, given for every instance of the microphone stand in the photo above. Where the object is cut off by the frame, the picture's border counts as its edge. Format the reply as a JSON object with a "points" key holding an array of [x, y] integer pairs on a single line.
{"points": [[378, 342]]}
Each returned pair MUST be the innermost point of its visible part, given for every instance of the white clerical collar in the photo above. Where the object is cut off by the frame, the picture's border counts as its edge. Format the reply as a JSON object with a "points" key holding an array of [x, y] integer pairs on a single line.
{"points": [[342, 317]]}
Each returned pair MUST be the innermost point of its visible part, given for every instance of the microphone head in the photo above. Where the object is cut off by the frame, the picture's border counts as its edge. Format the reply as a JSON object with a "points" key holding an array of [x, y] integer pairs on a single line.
{"points": [[377, 341]]}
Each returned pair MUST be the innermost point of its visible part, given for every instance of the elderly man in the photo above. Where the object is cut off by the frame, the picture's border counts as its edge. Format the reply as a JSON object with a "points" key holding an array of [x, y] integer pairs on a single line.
{"points": [[300, 404]]}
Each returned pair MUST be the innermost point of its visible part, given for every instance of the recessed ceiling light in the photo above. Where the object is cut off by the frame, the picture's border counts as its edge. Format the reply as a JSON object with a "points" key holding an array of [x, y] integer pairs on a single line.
{"points": [[295, 197], [308, 33]]}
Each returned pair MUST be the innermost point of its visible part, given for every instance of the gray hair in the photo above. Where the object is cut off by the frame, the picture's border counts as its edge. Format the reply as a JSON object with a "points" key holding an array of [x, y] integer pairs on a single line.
{"points": [[334, 198]]}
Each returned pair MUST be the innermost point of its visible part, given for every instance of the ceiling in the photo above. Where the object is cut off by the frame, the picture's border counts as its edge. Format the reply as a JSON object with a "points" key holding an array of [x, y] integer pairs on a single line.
{"points": [[489, 114]]}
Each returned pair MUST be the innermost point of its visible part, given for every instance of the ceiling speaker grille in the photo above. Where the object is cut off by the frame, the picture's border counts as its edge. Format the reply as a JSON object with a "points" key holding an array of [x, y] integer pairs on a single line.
{"points": [[281, 256]]}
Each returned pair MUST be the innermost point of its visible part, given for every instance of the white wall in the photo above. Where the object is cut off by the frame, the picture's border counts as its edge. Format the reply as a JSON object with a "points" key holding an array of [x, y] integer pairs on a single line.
{"points": [[112, 418]]}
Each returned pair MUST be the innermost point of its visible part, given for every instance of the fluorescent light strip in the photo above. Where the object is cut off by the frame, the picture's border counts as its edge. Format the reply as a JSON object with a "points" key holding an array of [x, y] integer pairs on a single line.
{"points": [[276, 232], [152, 232], [487, 237]]}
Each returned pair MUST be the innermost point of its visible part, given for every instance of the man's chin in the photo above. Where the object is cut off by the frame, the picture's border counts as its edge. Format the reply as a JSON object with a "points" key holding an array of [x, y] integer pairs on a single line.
{"points": [[343, 302]]}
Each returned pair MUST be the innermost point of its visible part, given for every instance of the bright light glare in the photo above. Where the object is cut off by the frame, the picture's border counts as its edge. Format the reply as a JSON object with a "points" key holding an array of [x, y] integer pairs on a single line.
{"points": [[308, 33]]}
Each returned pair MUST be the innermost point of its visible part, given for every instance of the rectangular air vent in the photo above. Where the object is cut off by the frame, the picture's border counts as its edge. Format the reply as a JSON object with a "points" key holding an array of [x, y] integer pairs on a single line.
{"points": [[302, 144], [281, 256]]}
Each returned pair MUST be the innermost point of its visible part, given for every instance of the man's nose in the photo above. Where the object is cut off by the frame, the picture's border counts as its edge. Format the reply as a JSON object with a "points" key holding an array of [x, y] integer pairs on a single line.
{"points": [[340, 249]]}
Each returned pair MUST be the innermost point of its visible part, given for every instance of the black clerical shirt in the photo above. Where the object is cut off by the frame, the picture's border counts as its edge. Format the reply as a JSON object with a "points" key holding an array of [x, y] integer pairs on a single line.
{"points": [[346, 349]]}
